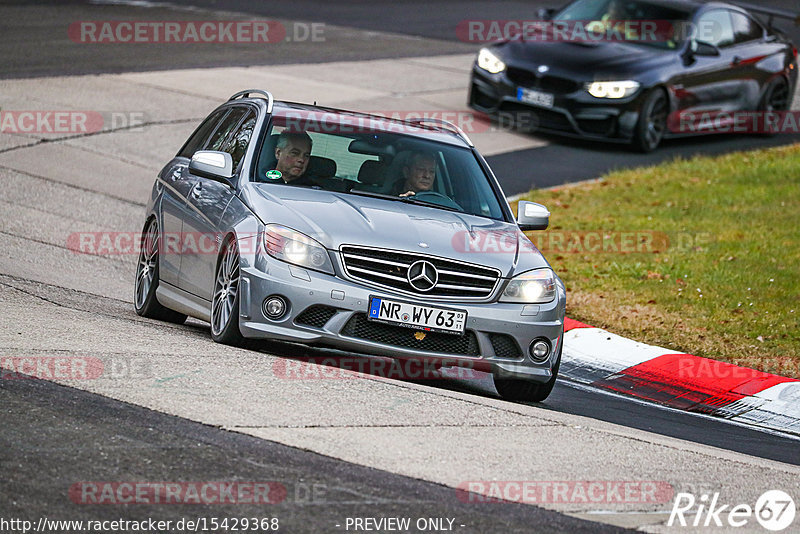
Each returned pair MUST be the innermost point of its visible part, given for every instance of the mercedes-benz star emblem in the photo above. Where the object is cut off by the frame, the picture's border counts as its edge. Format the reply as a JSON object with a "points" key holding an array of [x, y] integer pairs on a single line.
{"points": [[422, 275]]}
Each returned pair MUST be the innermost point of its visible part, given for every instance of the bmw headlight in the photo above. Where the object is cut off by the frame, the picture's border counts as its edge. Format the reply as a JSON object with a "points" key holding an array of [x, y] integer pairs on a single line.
{"points": [[619, 89], [293, 247], [490, 62], [533, 287]]}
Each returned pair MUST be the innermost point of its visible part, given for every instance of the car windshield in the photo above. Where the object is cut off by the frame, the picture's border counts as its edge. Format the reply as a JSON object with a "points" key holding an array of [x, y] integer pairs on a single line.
{"points": [[385, 163], [667, 26]]}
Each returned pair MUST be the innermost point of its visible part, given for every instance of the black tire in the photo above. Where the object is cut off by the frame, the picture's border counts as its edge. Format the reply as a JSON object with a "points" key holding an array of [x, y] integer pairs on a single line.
{"points": [[225, 299], [144, 291], [776, 98], [652, 123], [516, 390]]}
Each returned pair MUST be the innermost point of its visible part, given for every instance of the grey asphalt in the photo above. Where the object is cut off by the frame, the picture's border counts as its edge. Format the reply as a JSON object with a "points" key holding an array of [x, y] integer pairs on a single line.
{"points": [[55, 436]]}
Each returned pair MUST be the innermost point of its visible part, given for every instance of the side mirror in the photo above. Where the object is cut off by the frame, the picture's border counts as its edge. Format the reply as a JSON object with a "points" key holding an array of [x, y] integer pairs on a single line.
{"points": [[214, 165], [702, 48], [545, 13], [532, 216]]}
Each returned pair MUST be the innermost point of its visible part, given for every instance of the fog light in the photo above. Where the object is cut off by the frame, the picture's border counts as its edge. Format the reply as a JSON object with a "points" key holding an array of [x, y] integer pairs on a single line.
{"points": [[540, 350], [274, 307]]}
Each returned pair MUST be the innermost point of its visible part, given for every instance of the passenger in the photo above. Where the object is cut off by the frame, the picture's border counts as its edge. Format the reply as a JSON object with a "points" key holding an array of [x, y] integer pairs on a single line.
{"points": [[419, 175], [293, 152]]}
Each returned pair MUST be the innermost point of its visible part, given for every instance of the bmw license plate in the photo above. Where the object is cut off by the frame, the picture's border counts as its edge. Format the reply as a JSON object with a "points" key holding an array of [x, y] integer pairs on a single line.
{"points": [[426, 318], [536, 98]]}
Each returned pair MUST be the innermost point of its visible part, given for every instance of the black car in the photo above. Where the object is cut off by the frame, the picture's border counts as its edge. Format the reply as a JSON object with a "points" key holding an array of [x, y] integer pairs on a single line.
{"points": [[703, 57]]}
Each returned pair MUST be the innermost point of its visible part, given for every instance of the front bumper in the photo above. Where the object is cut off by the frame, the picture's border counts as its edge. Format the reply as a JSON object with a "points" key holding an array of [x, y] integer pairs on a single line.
{"points": [[574, 113], [330, 311]]}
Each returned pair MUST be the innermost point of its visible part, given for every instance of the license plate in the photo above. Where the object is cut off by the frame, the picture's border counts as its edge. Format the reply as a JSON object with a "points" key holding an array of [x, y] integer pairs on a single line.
{"points": [[537, 98], [427, 318]]}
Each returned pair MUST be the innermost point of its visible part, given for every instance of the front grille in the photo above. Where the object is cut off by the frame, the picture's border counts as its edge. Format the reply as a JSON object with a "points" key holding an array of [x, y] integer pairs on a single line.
{"points": [[316, 316], [360, 327], [551, 84], [539, 118], [504, 346], [389, 268], [597, 127]]}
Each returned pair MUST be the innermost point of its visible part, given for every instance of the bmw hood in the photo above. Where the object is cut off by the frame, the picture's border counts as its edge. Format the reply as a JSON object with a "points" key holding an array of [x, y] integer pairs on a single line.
{"points": [[582, 61], [336, 219]]}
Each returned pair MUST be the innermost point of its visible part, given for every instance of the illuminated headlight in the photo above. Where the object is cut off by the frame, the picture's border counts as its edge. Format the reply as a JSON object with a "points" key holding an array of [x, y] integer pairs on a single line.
{"points": [[533, 287], [612, 89], [490, 62], [291, 246]]}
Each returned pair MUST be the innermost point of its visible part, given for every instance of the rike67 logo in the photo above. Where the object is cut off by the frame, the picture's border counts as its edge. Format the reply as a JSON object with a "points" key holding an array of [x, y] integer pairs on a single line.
{"points": [[774, 510]]}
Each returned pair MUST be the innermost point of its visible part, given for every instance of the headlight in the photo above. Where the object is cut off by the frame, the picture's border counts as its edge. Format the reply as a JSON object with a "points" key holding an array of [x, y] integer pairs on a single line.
{"points": [[533, 287], [490, 62], [291, 246], [612, 89]]}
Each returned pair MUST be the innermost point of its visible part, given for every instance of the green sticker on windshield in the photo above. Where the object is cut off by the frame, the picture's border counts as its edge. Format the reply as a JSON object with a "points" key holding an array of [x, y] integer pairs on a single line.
{"points": [[274, 175]]}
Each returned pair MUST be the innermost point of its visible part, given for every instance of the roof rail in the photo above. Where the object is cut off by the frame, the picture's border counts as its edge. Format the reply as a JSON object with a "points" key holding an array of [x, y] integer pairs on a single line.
{"points": [[770, 12], [248, 92], [446, 124]]}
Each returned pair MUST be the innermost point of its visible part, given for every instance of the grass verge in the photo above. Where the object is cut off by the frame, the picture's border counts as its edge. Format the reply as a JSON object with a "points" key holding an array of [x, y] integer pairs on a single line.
{"points": [[699, 256]]}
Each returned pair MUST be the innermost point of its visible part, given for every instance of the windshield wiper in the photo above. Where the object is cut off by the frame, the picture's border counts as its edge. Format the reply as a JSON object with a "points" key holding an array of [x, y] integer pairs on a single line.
{"points": [[407, 200]]}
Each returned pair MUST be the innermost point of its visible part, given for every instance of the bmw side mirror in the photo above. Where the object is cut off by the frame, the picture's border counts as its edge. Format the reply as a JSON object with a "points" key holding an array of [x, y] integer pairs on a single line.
{"points": [[532, 216], [214, 165], [545, 13], [702, 48]]}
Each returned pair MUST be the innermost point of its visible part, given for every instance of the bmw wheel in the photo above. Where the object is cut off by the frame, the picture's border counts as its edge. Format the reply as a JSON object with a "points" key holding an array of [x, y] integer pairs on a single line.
{"points": [[144, 298], [652, 123], [225, 301]]}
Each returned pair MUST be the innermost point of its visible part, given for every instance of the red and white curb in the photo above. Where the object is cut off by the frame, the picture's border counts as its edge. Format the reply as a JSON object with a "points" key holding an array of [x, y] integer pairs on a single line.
{"points": [[601, 359]]}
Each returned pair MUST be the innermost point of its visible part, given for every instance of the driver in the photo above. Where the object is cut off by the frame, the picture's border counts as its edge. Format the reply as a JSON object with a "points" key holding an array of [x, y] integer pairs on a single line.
{"points": [[419, 175], [293, 152]]}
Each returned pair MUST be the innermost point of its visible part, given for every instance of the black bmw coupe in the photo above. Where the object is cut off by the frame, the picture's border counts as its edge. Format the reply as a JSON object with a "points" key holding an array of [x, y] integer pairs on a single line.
{"points": [[622, 70]]}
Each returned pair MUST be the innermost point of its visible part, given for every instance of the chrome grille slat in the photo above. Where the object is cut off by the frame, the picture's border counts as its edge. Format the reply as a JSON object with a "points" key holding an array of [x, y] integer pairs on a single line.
{"points": [[376, 260], [388, 269], [459, 288], [467, 275], [382, 275]]}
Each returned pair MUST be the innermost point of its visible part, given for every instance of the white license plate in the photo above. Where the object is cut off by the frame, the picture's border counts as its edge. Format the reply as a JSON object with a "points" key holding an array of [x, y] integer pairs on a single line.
{"points": [[427, 318], [536, 98]]}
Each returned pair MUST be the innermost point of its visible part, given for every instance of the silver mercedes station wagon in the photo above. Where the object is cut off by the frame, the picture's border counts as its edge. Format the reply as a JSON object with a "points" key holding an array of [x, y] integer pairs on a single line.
{"points": [[333, 228]]}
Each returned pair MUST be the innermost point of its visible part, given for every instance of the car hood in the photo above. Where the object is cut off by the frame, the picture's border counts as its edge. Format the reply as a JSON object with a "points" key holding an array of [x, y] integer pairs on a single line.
{"points": [[585, 61], [336, 219]]}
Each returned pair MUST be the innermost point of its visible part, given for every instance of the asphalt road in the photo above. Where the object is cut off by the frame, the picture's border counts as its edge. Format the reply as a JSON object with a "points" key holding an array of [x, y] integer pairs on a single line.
{"points": [[55, 437]]}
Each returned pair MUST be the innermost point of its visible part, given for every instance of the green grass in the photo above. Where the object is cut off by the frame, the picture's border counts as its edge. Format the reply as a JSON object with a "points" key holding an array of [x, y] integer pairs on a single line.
{"points": [[725, 286]]}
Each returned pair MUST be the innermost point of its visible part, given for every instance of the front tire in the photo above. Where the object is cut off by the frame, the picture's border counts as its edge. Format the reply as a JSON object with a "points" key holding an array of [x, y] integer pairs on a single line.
{"points": [[652, 123], [225, 302], [516, 390], [144, 295]]}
